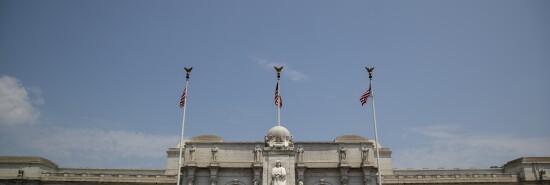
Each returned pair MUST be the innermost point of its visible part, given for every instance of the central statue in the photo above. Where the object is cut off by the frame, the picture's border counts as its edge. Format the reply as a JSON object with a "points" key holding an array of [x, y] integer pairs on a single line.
{"points": [[278, 174]]}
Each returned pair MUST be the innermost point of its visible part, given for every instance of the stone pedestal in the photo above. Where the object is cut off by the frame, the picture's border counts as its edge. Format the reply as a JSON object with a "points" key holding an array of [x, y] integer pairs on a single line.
{"points": [[287, 158]]}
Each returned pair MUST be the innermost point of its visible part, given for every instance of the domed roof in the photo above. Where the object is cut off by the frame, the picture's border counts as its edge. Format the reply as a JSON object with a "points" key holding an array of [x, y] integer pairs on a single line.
{"points": [[278, 131]]}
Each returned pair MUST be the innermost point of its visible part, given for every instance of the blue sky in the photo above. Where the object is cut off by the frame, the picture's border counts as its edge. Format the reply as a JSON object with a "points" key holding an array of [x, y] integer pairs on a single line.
{"points": [[97, 83]]}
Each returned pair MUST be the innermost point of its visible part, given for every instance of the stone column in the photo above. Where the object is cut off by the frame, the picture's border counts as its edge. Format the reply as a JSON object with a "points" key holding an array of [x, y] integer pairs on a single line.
{"points": [[213, 174], [370, 177], [191, 173], [344, 168], [300, 168], [366, 174], [257, 167]]}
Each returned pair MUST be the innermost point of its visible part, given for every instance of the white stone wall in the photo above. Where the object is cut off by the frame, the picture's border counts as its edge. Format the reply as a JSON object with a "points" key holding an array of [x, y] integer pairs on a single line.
{"points": [[320, 159]]}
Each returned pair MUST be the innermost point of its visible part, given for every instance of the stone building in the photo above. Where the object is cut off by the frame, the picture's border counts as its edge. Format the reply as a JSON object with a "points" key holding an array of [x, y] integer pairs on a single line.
{"points": [[278, 159]]}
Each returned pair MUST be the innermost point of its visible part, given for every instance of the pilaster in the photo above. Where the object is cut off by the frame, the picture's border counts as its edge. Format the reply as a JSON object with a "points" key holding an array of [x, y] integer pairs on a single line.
{"points": [[214, 167], [369, 175], [343, 167], [257, 167], [191, 167], [300, 169]]}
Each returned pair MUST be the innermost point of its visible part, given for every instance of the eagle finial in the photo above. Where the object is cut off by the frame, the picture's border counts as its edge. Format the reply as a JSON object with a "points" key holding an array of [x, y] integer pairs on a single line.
{"points": [[370, 71], [188, 70], [278, 69]]}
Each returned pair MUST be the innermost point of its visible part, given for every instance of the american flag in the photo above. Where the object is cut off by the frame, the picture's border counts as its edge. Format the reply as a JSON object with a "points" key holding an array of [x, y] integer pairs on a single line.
{"points": [[365, 96], [278, 100], [183, 97]]}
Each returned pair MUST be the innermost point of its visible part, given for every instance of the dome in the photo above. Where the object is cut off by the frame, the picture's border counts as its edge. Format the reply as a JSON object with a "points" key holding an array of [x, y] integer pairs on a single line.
{"points": [[279, 138], [278, 131]]}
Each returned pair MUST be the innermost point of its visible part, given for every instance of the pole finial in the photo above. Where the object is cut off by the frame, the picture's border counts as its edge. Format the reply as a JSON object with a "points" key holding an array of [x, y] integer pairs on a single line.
{"points": [[278, 69], [188, 71], [370, 71]]}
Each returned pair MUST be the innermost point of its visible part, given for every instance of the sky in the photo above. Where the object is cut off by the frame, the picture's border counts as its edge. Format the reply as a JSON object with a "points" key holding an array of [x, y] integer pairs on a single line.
{"points": [[97, 83]]}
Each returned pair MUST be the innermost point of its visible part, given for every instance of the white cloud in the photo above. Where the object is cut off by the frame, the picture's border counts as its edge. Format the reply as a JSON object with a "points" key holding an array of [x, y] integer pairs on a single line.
{"points": [[89, 147], [446, 148], [15, 105], [287, 70], [97, 143]]}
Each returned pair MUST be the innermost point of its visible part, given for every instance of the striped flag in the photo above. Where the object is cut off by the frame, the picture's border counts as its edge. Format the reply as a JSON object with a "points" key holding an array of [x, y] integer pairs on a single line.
{"points": [[365, 96], [278, 100], [183, 97]]}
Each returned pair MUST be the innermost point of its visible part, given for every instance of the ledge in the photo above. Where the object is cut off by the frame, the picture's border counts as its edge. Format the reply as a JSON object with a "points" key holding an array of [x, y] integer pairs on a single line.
{"points": [[27, 160], [437, 179]]}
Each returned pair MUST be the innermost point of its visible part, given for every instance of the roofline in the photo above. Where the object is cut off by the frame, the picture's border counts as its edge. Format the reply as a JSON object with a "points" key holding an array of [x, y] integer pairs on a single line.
{"points": [[27, 160], [527, 160]]}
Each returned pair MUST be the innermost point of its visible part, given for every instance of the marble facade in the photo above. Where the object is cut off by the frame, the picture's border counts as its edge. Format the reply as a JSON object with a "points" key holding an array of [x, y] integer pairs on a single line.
{"points": [[347, 159], [209, 160]]}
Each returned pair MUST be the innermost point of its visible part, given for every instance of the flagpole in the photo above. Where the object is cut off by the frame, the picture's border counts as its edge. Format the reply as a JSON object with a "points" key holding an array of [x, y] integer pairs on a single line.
{"points": [[278, 106], [188, 70], [375, 129], [278, 90]]}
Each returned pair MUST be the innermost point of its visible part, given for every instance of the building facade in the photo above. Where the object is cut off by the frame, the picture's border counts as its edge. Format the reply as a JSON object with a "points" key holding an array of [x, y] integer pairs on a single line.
{"points": [[209, 160]]}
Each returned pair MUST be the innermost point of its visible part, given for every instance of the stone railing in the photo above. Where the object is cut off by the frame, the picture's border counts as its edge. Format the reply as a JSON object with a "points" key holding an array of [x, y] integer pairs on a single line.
{"points": [[120, 178], [447, 171], [456, 178]]}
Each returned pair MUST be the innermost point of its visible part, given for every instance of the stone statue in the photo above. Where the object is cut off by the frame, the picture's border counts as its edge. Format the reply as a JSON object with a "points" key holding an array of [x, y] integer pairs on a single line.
{"points": [[364, 154], [215, 153], [278, 174], [343, 150], [192, 153], [257, 153], [300, 154], [300, 182]]}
